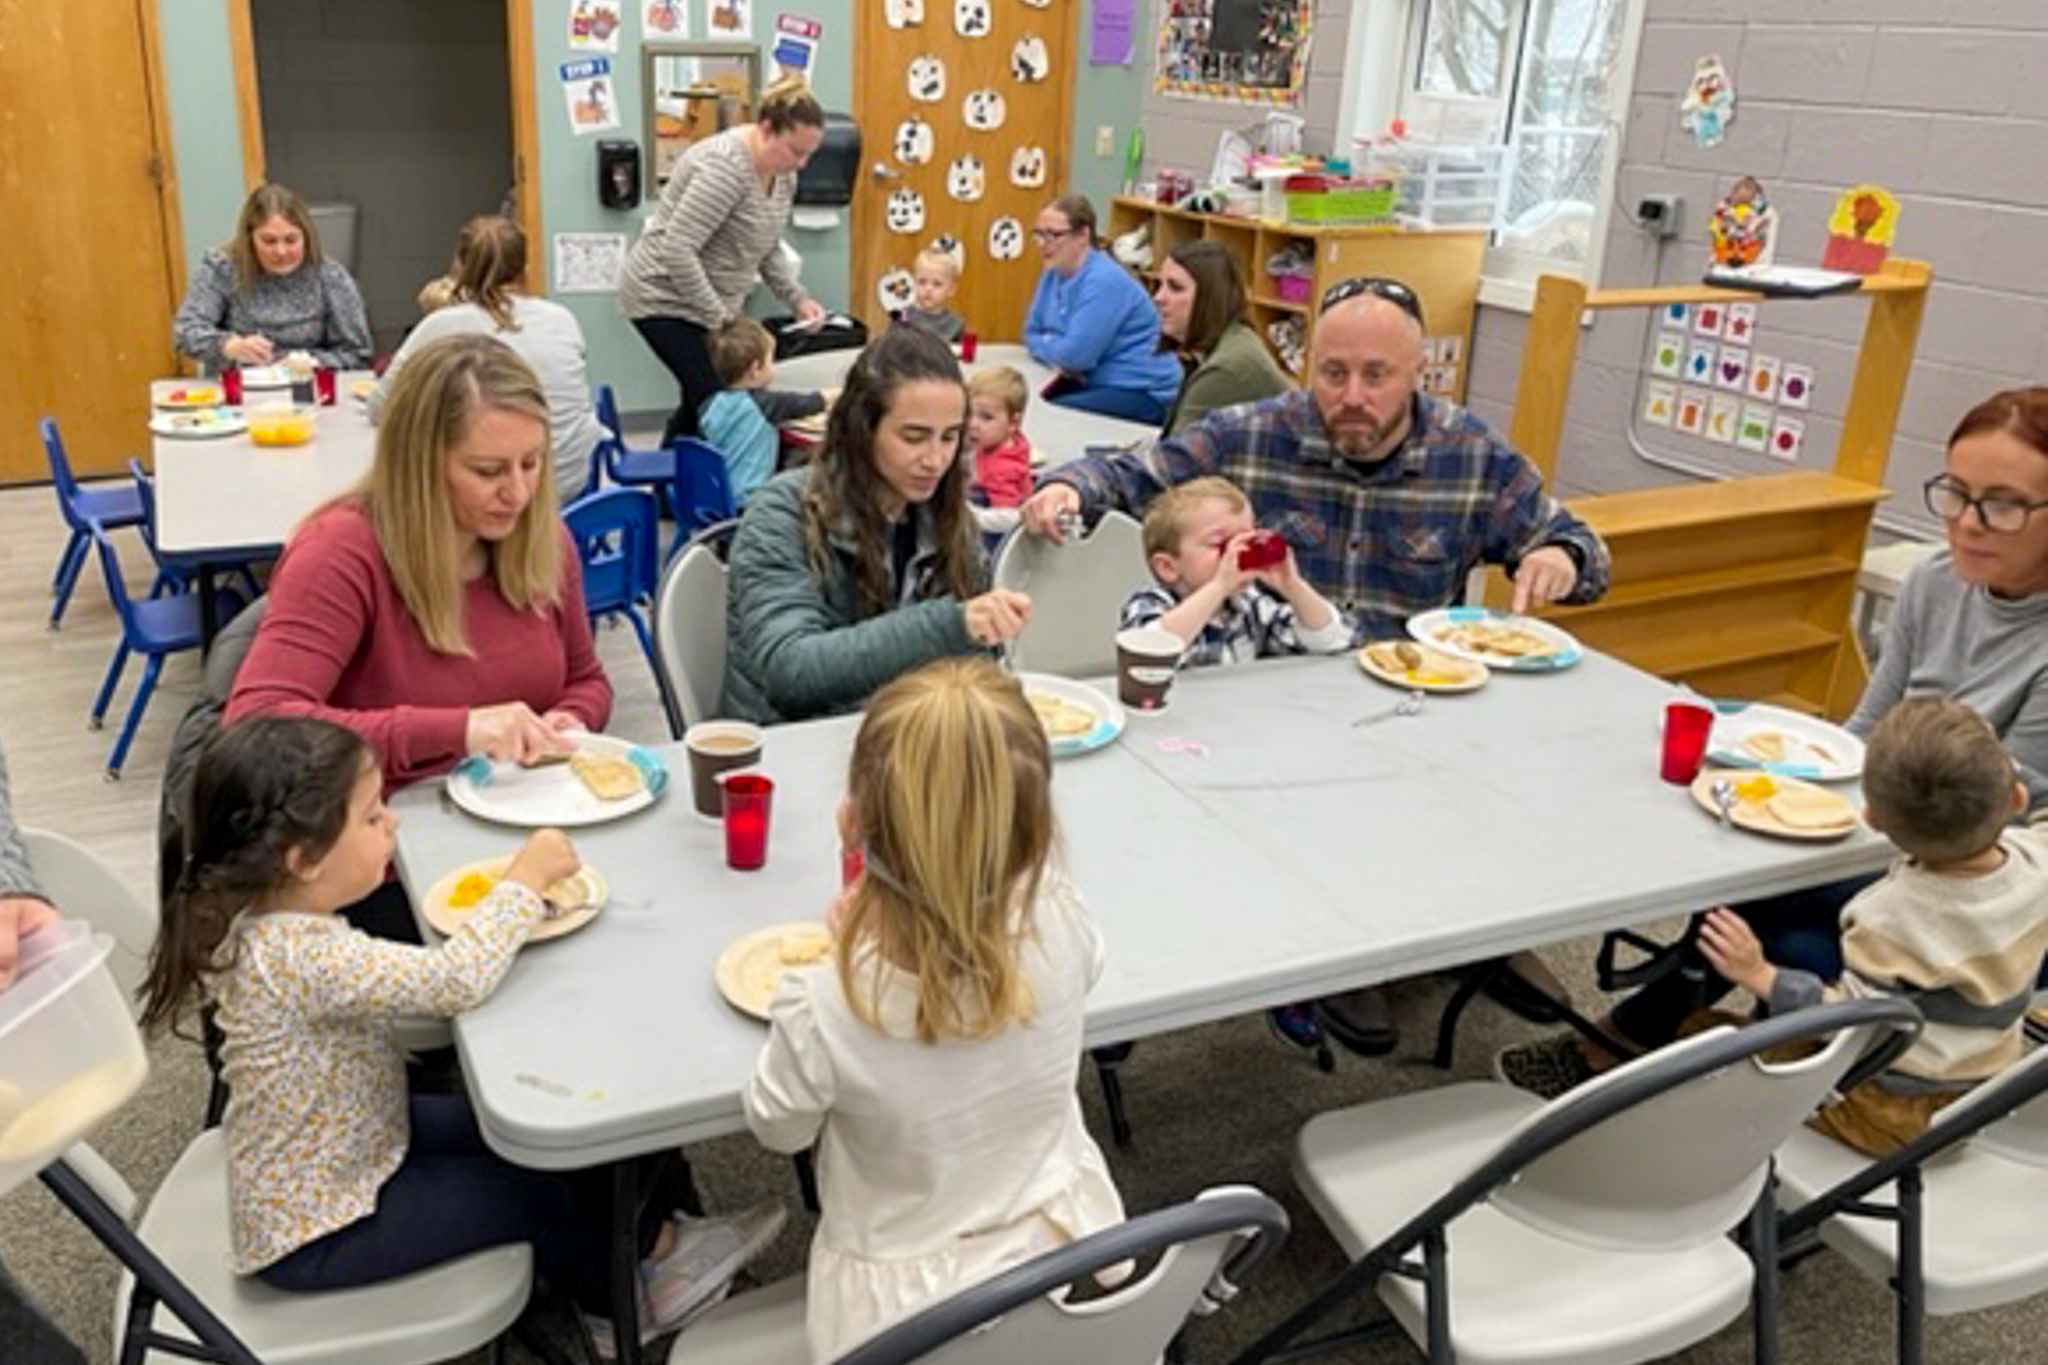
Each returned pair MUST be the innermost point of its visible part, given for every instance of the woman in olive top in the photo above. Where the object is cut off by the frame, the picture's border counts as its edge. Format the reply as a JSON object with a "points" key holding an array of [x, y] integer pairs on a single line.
{"points": [[1201, 314]]}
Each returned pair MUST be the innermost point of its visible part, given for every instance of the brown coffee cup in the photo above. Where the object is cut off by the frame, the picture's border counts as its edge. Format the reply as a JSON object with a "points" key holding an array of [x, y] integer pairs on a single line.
{"points": [[1146, 657], [717, 746]]}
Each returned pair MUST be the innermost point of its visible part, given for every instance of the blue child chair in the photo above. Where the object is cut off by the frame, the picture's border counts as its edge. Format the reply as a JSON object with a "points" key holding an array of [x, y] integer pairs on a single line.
{"points": [[701, 491], [155, 627], [651, 469], [113, 508], [169, 577], [618, 539]]}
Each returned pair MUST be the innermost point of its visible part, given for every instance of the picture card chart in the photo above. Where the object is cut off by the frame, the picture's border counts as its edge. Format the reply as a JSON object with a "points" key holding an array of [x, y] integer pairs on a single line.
{"points": [[1708, 375]]}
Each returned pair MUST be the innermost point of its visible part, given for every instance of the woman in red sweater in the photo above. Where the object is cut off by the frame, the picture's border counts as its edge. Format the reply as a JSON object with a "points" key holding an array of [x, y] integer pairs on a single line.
{"points": [[437, 609]]}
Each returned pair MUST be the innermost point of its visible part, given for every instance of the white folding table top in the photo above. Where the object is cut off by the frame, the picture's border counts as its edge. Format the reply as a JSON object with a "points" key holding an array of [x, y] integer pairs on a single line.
{"points": [[1298, 855]]}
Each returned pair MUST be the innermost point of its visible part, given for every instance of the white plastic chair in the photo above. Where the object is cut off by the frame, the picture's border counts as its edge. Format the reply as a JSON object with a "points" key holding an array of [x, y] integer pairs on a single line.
{"points": [[1964, 1229], [83, 887], [1019, 1318], [689, 637], [1588, 1231], [1076, 591]]}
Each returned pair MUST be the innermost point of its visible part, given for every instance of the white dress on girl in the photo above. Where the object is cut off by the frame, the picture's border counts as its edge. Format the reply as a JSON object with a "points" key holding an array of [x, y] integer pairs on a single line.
{"points": [[939, 1164]]}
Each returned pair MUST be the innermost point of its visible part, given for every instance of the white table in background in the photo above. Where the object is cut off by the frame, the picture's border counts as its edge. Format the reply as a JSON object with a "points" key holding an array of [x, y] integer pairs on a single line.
{"points": [[1300, 856], [224, 498], [1063, 433]]}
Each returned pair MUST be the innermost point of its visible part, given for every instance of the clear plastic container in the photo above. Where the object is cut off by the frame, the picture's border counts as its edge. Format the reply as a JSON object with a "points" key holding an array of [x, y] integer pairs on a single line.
{"points": [[69, 1052], [1448, 186]]}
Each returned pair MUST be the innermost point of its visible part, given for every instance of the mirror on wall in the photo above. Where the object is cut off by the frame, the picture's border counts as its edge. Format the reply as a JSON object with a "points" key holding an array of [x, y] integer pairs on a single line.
{"points": [[693, 90]]}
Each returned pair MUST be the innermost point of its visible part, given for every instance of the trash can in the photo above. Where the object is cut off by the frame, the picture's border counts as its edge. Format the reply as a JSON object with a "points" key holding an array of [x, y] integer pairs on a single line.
{"points": [[336, 224]]}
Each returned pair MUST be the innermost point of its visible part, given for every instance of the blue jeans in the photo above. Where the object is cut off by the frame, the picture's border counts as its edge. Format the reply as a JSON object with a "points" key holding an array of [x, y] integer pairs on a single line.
{"points": [[1129, 404]]}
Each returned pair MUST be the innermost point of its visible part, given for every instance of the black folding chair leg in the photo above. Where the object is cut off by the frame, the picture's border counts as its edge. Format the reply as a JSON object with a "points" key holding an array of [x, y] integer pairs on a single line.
{"points": [[1447, 1025], [1763, 1254], [1912, 1270], [1107, 1060], [626, 1261]]}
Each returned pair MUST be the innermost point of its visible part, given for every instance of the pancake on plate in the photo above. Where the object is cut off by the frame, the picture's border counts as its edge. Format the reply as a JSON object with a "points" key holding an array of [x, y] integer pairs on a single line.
{"points": [[1810, 808], [1411, 663], [608, 778], [1061, 718], [1497, 638]]}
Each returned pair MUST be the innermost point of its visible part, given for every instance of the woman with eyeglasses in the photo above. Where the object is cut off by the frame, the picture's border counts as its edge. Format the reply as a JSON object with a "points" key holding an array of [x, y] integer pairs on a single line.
{"points": [[1091, 321], [1200, 299], [1970, 623]]}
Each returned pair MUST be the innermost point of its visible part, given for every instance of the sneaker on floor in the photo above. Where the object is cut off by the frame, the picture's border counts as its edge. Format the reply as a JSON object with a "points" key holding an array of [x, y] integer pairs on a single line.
{"points": [[600, 1329], [1361, 1020], [1296, 1024], [1546, 1068], [708, 1252]]}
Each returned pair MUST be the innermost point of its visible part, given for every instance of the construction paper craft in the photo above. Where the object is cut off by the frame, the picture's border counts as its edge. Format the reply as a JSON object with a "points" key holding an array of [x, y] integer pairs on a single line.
{"points": [[1660, 404], [1732, 371], [1788, 438], [1692, 411], [1744, 229], [965, 179], [1669, 357], [1029, 61], [896, 290], [971, 18], [1861, 229], [927, 79], [1006, 239], [902, 13], [904, 211], [1723, 418], [1027, 167], [1741, 322], [1706, 319], [1755, 431], [983, 110], [947, 245], [1709, 103], [1763, 378], [1699, 366], [913, 142], [1795, 386]]}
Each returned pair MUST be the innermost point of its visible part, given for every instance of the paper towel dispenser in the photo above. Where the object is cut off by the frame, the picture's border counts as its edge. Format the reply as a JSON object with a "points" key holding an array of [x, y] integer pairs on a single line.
{"points": [[618, 174], [827, 179]]}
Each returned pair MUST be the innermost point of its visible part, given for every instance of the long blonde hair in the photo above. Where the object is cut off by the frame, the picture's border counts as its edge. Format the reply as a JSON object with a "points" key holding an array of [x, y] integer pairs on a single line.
{"points": [[440, 390], [951, 784]]}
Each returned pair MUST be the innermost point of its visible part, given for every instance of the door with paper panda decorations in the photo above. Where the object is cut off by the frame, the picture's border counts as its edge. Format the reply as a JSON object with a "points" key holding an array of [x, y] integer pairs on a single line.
{"points": [[964, 113]]}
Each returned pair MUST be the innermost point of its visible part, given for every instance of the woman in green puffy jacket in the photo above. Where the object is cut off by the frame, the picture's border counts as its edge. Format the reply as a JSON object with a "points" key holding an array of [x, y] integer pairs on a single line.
{"points": [[866, 562]]}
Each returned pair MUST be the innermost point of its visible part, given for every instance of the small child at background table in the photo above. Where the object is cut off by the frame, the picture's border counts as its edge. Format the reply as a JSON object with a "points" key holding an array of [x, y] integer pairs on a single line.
{"points": [[336, 1175], [933, 1059], [741, 419], [1958, 925], [934, 276], [997, 446], [1194, 534]]}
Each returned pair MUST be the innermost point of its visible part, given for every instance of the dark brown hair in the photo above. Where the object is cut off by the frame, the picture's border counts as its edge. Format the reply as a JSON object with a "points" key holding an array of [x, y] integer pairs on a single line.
{"points": [[1938, 780], [490, 256], [2023, 412], [262, 788], [737, 346], [787, 104], [845, 487], [1219, 293], [264, 203], [1078, 212]]}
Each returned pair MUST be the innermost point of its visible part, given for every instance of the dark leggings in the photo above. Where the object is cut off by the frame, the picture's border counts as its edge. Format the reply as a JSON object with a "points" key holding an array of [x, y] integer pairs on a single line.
{"points": [[1129, 404], [385, 913], [682, 346], [453, 1196]]}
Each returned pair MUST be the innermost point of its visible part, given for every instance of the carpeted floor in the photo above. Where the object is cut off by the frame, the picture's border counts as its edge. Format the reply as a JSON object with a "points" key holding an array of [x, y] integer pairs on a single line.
{"points": [[1213, 1105]]}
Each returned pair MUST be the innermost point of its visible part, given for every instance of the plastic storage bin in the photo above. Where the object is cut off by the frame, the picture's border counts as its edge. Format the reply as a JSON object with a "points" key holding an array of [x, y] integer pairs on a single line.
{"points": [[1343, 204], [1293, 288], [1449, 186], [69, 1052]]}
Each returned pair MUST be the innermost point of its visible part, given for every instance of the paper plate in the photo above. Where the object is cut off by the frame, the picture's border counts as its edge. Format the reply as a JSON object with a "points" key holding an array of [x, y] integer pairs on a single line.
{"points": [[1430, 626], [751, 966], [1755, 816], [185, 397], [447, 919], [1440, 672], [1109, 713], [199, 423], [1812, 748], [552, 795]]}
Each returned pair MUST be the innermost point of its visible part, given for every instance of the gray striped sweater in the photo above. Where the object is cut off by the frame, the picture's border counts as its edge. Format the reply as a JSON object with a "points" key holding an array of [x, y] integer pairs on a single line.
{"points": [[713, 234]]}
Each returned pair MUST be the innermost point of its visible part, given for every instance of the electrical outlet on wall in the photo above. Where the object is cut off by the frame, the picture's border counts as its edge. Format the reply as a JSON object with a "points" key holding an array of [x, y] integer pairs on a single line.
{"points": [[1105, 140]]}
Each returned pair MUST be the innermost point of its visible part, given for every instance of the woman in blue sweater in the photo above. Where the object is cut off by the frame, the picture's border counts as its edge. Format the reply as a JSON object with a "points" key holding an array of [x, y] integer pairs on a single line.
{"points": [[1091, 320]]}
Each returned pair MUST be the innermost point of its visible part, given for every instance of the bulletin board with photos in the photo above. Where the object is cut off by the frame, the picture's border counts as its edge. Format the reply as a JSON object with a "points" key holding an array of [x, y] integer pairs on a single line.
{"points": [[1239, 51]]}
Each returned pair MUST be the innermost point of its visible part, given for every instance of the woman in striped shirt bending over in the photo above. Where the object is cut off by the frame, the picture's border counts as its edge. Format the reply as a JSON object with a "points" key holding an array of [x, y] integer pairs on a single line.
{"points": [[717, 229]]}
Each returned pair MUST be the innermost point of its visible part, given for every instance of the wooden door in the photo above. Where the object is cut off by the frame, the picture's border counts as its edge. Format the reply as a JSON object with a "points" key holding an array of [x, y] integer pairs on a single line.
{"points": [[994, 292], [88, 281]]}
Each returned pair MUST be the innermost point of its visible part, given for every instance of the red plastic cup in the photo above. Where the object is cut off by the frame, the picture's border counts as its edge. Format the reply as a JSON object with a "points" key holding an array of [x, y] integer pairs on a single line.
{"points": [[747, 800], [231, 385], [323, 386], [1686, 726], [1264, 550], [969, 344]]}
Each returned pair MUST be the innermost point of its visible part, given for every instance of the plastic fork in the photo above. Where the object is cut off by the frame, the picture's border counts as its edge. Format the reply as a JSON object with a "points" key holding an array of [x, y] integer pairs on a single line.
{"points": [[1407, 706]]}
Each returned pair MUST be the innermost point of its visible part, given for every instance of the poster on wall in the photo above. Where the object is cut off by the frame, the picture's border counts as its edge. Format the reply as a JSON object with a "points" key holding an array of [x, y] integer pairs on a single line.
{"points": [[1109, 32], [729, 19], [1234, 51], [594, 26], [796, 45], [588, 262], [666, 18], [587, 90]]}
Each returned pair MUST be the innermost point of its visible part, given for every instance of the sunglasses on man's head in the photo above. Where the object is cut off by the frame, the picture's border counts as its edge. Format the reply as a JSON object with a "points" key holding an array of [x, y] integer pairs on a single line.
{"points": [[1380, 287]]}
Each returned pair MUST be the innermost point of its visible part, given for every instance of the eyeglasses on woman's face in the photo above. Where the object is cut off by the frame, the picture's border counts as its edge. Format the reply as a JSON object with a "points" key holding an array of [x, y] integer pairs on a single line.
{"points": [[1039, 234], [1949, 498]]}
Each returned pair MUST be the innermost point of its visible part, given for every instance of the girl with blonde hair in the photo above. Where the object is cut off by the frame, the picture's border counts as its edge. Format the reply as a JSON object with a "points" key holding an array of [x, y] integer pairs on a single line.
{"points": [[268, 291], [486, 298], [933, 1058], [436, 609]]}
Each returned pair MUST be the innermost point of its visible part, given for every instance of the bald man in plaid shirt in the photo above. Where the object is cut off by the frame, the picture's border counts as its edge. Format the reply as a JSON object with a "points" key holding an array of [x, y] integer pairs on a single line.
{"points": [[1389, 498]]}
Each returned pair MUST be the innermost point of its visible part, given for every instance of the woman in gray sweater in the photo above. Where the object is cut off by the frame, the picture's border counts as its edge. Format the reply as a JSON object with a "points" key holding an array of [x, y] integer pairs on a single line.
{"points": [[718, 229], [1971, 624], [269, 292]]}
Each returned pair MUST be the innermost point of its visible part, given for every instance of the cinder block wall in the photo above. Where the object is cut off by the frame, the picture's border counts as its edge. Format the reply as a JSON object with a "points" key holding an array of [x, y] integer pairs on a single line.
{"points": [[1944, 102]]}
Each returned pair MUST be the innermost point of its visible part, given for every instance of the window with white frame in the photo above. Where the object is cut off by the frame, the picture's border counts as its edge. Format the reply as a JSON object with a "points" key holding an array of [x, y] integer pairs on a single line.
{"points": [[1549, 79]]}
